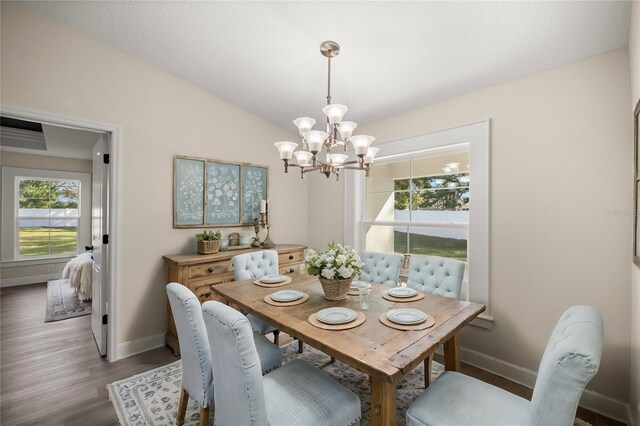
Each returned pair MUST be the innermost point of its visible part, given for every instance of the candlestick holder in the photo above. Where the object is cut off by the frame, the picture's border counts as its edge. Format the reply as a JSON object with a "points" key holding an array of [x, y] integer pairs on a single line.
{"points": [[266, 243]]}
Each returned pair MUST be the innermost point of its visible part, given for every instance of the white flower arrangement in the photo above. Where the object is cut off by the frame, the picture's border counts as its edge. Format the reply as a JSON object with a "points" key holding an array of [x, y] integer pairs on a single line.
{"points": [[334, 263]]}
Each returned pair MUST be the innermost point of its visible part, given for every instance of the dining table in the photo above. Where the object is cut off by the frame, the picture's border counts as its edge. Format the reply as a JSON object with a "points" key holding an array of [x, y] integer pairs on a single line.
{"points": [[386, 354]]}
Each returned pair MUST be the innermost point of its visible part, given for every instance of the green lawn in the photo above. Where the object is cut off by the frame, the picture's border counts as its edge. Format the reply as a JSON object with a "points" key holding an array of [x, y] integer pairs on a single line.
{"points": [[45, 241], [429, 245]]}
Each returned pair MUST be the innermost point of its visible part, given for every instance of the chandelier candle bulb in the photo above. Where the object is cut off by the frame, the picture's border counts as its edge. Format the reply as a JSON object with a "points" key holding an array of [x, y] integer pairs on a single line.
{"points": [[335, 112], [304, 124], [303, 157], [371, 154], [338, 159], [286, 149], [361, 143], [346, 129], [315, 140]]}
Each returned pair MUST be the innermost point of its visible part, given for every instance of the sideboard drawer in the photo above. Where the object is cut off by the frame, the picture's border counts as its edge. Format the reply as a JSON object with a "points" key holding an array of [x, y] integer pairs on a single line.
{"points": [[205, 294], [209, 269], [288, 269], [292, 257]]}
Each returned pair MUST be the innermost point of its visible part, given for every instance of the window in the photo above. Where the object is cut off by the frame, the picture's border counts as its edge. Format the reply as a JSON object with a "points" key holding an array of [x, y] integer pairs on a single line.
{"points": [[409, 204], [48, 216], [419, 205]]}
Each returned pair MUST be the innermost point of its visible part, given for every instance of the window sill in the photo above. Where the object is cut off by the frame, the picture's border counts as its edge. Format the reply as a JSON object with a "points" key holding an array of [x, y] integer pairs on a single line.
{"points": [[483, 321], [40, 261]]}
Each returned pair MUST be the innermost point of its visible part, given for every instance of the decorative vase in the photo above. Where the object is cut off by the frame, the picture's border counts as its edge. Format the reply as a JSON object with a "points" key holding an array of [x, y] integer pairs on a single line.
{"points": [[335, 289], [208, 247]]}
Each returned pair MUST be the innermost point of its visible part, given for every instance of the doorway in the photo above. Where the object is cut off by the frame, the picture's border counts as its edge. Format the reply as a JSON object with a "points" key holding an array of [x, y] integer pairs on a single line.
{"points": [[100, 235]]}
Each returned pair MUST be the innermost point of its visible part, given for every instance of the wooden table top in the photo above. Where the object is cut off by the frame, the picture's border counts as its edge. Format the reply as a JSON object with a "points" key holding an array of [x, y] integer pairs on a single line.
{"points": [[372, 348]]}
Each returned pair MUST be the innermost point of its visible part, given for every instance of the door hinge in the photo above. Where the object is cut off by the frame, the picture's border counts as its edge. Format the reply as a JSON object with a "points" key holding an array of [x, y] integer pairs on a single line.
{"points": [[105, 319], [105, 158], [105, 239]]}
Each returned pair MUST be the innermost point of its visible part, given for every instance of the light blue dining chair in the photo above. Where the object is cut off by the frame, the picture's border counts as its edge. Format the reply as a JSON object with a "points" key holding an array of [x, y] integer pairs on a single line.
{"points": [[436, 275], [197, 377], [255, 265], [295, 394], [570, 360], [379, 267]]}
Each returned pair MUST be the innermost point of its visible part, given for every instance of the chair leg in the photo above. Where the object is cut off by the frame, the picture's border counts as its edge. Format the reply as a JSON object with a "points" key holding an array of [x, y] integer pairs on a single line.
{"points": [[300, 346], [332, 360], [276, 337], [427, 371], [182, 407], [204, 416]]}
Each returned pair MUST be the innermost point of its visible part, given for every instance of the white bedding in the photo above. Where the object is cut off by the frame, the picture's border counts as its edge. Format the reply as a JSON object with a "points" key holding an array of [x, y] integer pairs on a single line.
{"points": [[79, 273]]}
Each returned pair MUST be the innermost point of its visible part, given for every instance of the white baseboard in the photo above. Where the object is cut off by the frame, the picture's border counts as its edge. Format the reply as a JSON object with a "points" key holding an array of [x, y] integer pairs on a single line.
{"points": [[590, 400], [12, 282], [133, 347]]}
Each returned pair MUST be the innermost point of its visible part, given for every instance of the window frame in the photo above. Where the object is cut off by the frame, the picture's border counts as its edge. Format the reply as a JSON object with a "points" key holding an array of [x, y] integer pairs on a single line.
{"points": [[10, 212], [477, 136], [18, 218]]}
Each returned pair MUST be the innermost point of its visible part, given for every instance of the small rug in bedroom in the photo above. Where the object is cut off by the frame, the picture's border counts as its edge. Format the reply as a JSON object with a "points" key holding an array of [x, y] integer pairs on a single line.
{"points": [[151, 398], [63, 302]]}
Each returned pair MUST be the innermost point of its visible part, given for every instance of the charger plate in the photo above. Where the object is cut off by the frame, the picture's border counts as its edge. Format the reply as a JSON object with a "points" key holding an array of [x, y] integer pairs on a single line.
{"points": [[429, 322], [418, 296], [360, 319], [259, 283], [269, 301]]}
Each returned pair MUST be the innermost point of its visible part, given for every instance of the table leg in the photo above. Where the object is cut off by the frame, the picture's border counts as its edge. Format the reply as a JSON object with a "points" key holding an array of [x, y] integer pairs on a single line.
{"points": [[383, 402], [452, 354]]}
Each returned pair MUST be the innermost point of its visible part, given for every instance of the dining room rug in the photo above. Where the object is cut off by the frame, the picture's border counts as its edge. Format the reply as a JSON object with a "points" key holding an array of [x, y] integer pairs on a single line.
{"points": [[63, 302], [151, 398]]}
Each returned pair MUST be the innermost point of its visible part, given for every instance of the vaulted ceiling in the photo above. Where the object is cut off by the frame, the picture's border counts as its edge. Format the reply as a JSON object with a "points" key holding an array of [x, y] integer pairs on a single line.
{"points": [[396, 56]]}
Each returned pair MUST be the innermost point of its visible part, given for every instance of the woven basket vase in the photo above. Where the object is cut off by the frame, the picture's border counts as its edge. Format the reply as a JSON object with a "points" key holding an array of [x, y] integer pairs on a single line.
{"points": [[208, 247], [335, 289]]}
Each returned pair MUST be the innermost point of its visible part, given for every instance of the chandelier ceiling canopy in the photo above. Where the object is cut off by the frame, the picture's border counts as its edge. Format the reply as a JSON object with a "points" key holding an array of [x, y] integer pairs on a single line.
{"points": [[338, 133]]}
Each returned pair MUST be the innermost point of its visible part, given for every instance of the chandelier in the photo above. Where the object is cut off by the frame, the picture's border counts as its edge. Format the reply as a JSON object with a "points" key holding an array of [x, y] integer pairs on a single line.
{"points": [[339, 133]]}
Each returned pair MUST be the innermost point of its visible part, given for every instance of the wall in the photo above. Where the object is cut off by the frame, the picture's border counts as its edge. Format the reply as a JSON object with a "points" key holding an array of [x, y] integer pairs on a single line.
{"points": [[634, 66], [50, 67], [560, 159], [28, 272]]}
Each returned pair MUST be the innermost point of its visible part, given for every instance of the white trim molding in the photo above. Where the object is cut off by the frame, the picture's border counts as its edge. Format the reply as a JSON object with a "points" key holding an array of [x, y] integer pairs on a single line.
{"points": [[137, 346], [590, 400], [115, 132], [13, 282]]}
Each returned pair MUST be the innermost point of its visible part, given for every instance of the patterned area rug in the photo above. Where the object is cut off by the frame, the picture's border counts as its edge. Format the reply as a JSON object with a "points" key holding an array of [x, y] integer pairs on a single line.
{"points": [[151, 398], [63, 302]]}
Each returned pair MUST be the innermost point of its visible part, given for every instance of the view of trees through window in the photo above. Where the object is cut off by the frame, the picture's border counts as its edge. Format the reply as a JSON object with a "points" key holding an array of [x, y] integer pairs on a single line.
{"points": [[419, 206], [48, 214]]}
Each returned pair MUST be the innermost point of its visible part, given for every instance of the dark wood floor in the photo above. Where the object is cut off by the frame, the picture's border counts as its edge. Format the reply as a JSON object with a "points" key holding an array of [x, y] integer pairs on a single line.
{"points": [[51, 373]]}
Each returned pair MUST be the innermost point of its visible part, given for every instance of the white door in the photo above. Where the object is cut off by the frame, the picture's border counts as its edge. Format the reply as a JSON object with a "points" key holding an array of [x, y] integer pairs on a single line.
{"points": [[99, 239]]}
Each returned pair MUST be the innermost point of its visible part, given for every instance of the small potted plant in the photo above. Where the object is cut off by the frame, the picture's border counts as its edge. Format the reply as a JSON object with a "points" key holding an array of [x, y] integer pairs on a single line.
{"points": [[335, 267], [208, 242]]}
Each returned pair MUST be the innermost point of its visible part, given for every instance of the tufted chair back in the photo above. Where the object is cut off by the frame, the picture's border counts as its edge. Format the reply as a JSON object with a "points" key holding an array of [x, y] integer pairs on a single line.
{"points": [[255, 264], [381, 267], [571, 359], [197, 378], [436, 275], [239, 395]]}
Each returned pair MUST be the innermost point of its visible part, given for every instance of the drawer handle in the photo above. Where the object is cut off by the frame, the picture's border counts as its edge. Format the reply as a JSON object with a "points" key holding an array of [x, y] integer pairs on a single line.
{"points": [[291, 269], [210, 269], [290, 257]]}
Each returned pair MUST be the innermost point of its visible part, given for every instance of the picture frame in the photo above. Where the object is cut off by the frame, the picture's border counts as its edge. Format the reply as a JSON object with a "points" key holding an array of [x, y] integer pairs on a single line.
{"points": [[211, 193], [636, 184]]}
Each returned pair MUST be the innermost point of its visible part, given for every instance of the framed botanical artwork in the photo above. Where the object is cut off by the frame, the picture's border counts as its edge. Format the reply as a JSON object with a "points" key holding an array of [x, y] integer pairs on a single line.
{"points": [[223, 193], [213, 193], [636, 184], [254, 190], [188, 195]]}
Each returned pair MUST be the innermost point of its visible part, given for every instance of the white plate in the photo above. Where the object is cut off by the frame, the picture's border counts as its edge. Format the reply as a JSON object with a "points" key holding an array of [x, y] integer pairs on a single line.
{"points": [[286, 295], [272, 279], [406, 316], [402, 292], [359, 285], [336, 315]]}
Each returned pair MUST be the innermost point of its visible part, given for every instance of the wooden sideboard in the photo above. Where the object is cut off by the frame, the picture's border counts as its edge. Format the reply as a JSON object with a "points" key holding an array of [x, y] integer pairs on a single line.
{"points": [[200, 272]]}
